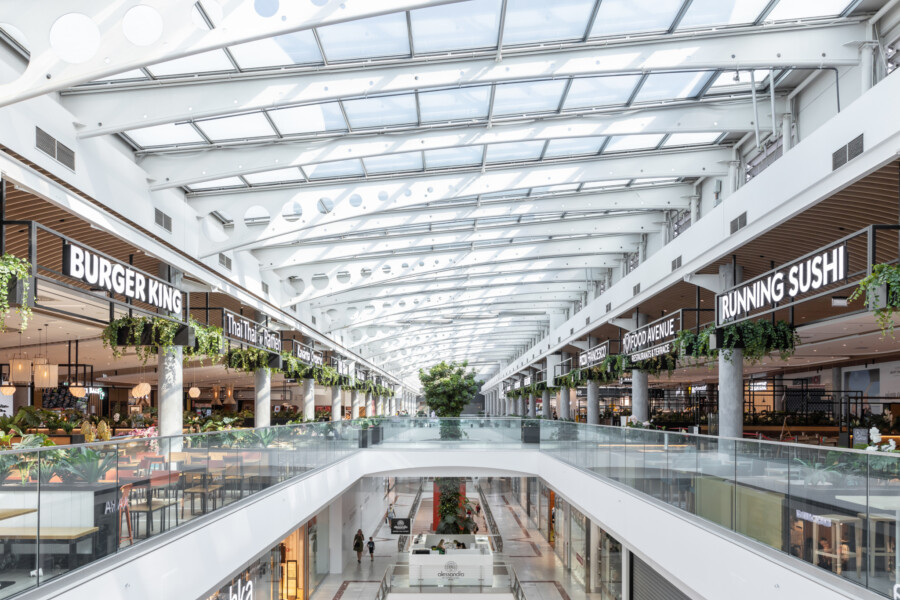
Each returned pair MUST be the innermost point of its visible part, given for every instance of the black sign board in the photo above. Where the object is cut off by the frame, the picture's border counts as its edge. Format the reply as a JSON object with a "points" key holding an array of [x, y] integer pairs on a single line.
{"points": [[242, 329], [652, 340], [593, 356], [401, 526], [307, 355], [101, 271]]}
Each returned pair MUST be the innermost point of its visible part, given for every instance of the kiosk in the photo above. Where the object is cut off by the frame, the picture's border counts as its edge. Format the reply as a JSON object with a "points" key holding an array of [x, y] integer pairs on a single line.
{"points": [[463, 560]]}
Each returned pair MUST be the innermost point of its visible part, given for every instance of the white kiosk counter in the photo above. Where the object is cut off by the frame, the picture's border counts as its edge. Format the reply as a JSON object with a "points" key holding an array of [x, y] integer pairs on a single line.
{"points": [[472, 565]]}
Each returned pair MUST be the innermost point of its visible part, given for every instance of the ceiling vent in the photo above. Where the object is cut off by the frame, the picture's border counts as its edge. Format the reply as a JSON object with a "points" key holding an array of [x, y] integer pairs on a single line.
{"points": [[676, 264], [50, 146], [225, 261], [636, 289], [608, 306], [163, 220], [739, 223], [845, 154]]}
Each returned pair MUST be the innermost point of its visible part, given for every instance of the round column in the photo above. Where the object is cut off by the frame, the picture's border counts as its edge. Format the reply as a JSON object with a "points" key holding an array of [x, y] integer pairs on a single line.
{"points": [[336, 402], [171, 391], [545, 405], [354, 404], [532, 406], [640, 395], [262, 409], [731, 394], [309, 399], [593, 402]]}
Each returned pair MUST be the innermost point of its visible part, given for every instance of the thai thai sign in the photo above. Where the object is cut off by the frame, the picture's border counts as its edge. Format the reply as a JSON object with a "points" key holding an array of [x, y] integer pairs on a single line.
{"points": [[120, 278], [802, 276], [244, 330], [593, 356], [652, 340]]}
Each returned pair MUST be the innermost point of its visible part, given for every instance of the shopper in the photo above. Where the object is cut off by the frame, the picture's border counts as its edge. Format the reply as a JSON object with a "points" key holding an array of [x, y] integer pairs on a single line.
{"points": [[478, 509], [358, 540], [371, 546], [390, 514]]}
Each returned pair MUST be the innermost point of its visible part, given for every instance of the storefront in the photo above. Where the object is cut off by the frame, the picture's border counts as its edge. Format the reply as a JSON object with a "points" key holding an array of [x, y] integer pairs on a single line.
{"points": [[606, 578]]}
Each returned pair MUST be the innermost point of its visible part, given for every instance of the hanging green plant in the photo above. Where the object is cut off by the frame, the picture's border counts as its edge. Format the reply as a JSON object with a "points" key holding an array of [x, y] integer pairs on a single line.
{"points": [[13, 269], [327, 376], [757, 338], [145, 334], [658, 364], [210, 342], [247, 360], [887, 276], [293, 367]]}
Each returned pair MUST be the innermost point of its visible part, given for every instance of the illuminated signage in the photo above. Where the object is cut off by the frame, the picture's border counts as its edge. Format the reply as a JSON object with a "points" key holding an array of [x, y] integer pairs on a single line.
{"points": [[250, 332], [652, 340], [799, 277], [527, 381], [307, 355], [593, 356], [119, 278]]}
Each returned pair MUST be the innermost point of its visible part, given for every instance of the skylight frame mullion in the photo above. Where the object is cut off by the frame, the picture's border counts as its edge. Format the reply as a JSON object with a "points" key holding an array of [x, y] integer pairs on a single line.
{"points": [[490, 115], [765, 12], [501, 26], [591, 20], [709, 83], [409, 35], [600, 153], [319, 45], [637, 89], [679, 16], [340, 103], [565, 96], [271, 123], [418, 110], [200, 132]]}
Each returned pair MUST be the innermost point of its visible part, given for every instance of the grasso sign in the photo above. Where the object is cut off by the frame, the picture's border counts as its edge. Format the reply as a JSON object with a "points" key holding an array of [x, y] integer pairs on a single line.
{"points": [[595, 355], [250, 332], [116, 277], [652, 340], [800, 277]]}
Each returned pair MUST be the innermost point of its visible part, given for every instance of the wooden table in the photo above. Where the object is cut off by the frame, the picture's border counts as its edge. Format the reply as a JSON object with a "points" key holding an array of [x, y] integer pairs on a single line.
{"points": [[9, 513], [72, 535]]}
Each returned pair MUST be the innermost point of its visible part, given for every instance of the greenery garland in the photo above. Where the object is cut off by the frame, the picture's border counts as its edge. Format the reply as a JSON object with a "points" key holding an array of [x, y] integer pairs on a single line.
{"points": [[209, 342], [757, 338], [247, 360], [326, 375], [162, 332], [889, 277], [12, 269]]}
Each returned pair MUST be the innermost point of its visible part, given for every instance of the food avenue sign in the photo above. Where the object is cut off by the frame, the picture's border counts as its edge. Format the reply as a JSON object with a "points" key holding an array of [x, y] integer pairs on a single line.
{"points": [[797, 278], [593, 356], [653, 339]]}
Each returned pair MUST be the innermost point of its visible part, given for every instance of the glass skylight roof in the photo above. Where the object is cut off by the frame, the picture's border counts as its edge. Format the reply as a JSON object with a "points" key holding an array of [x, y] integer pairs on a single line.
{"points": [[291, 49], [453, 157], [600, 91], [277, 176], [710, 13], [308, 119], [165, 135], [804, 9], [340, 168], [621, 17], [378, 112], [446, 28], [528, 97], [534, 21], [385, 35], [514, 151], [609, 183], [207, 62], [727, 78], [455, 104], [409, 161], [663, 86], [687, 139], [251, 125], [570, 146], [226, 182], [621, 143]]}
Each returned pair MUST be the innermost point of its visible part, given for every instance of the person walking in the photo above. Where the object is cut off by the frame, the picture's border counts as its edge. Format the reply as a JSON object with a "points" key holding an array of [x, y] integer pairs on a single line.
{"points": [[358, 540], [478, 509], [371, 546], [390, 514]]}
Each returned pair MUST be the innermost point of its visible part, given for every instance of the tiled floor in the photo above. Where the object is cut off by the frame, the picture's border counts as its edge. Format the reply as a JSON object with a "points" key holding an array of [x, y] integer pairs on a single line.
{"points": [[539, 569]]}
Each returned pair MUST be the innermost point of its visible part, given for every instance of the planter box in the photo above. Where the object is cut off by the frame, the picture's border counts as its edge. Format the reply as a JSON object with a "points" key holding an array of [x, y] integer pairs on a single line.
{"points": [[363, 438], [183, 337], [717, 340], [531, 435], [377, 435], [15, 293], [274, 361]]}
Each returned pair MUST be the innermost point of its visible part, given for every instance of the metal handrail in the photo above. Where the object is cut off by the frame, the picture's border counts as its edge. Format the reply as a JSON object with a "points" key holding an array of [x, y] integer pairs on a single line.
{"points": [[413, 509], [496, 538]]}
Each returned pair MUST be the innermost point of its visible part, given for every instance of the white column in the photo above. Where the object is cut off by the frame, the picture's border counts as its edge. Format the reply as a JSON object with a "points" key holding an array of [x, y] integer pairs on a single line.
{"points": [[731, 394], [594, 552], [309, 399], [354, 404], [336, 535], [563, 412], [262, 384], [593, 402], [379, 406], [532, 408], [171, 391], [545, 405], [370, 406], [336, 402], [640, 392]]}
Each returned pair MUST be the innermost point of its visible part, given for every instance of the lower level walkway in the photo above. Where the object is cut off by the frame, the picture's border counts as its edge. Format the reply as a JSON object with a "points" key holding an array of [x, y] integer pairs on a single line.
{"points": [[539, 569]]}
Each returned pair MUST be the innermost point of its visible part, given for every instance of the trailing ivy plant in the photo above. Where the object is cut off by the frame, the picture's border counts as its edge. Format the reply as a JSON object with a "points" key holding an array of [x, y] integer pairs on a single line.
{"points": [[326, 375], [162, 332], [889, 277], [209, 342], [247, 360], [13, 268], [757, 338]]}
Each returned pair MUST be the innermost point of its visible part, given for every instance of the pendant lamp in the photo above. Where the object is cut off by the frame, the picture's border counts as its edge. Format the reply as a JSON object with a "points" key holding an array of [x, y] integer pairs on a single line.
{"points": [[216, 400], [229, 396], [45, 374], [20, 366], [77, 391], [194, 392], [7, 389]]}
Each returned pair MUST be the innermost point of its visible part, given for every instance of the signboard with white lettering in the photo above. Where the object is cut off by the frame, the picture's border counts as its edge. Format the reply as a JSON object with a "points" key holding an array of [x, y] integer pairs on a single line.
{"points": [[244, 330], [517, 384], [400, 526], [306, 354], [526, 381], [593, 356], [120, 278], [652, 340], [361, 375], [343, 368], [782, 285]]}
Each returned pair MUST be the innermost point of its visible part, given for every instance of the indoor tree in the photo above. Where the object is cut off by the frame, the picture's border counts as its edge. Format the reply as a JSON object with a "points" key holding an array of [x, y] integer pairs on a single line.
{"points": [[448, 388]]}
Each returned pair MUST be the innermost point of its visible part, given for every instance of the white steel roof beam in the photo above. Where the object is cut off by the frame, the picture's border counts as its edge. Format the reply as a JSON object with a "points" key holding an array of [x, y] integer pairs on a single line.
{"points": [[180, 34], [175, 170], [666, 197], [809, 46], [379, 195], [453, 330], [300, 254]]}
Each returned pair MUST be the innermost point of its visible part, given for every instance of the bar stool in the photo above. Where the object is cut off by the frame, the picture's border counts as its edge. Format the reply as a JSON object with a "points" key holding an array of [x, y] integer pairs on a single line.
{"points": [[837, 555], [887, 549], [125, 510]]}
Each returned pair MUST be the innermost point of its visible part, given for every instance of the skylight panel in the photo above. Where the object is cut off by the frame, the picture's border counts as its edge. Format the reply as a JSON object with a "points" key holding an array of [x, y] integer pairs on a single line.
{"points": [[804, 9], [690, 139], [514, 151], [574, 146], [453, 157], [554, 189], [165, 135], [711, 13], [528, 97], [205, 62], [600, 91], [276, 176], [451, 27], [340, 168], [535, 21], [251, 125], [227, 182], [622, 17], [308, 119], [455, 104], [672, 86], [132, 74], [408, 161], [385, 35], [381, 111], [609, 183], [297, 48], [622, 143], [647, 181], [743, 78]]}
